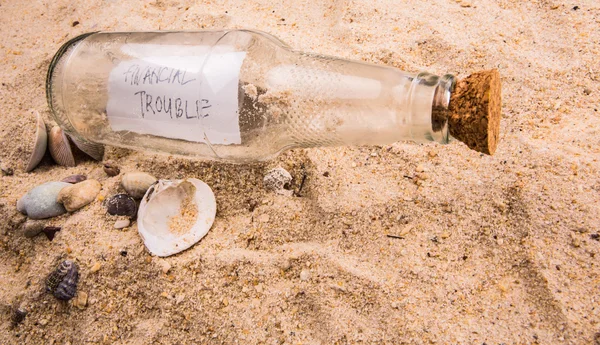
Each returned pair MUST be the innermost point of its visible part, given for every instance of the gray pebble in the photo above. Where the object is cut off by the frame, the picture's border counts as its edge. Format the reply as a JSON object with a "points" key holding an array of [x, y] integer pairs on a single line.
{"points": [[32, 228], [40, 202], [276, 180]]}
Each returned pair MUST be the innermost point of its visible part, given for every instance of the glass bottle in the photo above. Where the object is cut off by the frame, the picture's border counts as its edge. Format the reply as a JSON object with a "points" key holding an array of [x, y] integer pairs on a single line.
{"points": [[235, 95]]}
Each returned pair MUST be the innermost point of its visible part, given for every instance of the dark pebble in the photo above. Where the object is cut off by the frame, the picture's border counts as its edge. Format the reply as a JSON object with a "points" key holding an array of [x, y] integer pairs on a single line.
{"points": [[74, 179], [122, 205], [50, 231]]}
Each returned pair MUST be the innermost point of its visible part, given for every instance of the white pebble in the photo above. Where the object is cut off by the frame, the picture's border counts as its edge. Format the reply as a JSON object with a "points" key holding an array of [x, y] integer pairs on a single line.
{"points": [[305, 275], [122, 223]]}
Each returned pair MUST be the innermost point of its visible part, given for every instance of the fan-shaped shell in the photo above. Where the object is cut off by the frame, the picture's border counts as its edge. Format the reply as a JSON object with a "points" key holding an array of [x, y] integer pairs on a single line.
{"points": [[174, 215], [59, 147], [40, 144], [96, 151]]}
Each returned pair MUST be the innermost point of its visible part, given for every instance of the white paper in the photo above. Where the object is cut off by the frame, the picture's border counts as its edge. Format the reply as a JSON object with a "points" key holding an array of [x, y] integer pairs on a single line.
{"points": [[192, 97]]}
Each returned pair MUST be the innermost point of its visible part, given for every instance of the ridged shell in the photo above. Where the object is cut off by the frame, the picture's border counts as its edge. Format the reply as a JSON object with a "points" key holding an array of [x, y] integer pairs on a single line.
{"points": [[59, 147], [96, 151], [174, 215], [137, 183], [40, 144], [62, 282], [122, 205]]}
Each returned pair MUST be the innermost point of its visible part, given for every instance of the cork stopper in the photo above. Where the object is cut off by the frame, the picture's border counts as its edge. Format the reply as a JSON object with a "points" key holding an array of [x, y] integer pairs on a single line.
{"points": [[474, 111]]}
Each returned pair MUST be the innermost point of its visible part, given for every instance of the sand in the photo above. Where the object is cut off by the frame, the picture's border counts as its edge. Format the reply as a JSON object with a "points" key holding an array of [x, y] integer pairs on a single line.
{"points": [[495, 250]]}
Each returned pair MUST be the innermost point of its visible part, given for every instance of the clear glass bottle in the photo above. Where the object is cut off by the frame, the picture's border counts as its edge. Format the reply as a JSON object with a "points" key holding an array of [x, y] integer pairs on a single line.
{"points": [[235, 95]]}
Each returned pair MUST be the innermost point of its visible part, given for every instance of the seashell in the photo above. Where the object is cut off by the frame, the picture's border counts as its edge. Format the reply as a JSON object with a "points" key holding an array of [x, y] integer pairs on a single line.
{"points": [[123, 223], [75, 196], [39, 145], [137, 183], [62, 282], [32, 228], [111, 169], [276, 180], [174, 215], [74, 179], [59, 147], [40, 202], [122, 205], [17, 316], [96, 151]]}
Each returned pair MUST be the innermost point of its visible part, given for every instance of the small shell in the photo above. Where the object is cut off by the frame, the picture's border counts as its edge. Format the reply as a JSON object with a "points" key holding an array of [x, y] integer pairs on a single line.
{"points": [[75, 196], [74, 179], [174, 215], [59, 147], [122, 205], [96, 151], [39, 146], [137, 183], [111, 169], [62, 282], [40, 202]]}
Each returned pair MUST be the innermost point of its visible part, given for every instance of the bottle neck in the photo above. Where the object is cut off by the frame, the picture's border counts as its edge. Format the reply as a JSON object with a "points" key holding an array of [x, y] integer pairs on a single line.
{"points": [[428, 107]]}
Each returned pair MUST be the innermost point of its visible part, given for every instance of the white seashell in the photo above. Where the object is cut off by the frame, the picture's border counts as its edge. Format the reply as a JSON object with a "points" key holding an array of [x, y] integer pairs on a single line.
{"points": [[137, 183], [39, 146], [174, 215], [59, 147], [96, 151]]}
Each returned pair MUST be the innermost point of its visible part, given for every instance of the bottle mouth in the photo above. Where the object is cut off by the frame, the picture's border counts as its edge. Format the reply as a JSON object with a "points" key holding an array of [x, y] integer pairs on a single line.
{"points": [[440, 105], [54, 79]]}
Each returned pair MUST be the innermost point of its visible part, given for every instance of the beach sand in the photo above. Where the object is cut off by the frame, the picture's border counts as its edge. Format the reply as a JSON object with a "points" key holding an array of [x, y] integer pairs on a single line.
{"points": [[495, 250]]}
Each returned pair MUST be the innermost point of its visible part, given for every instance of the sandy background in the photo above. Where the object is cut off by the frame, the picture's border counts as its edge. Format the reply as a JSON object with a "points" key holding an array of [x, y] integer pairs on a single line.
{"points": [[495, 250]]}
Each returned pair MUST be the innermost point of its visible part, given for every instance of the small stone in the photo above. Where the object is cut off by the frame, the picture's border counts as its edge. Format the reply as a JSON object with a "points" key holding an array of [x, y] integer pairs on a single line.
{"points": [[587, 91], [286, 265], [122, 223], [165, 266], [445, 235], [96, 267], [575, 241], [73, 179], [81, 300], [420, 168], [111, 169], [78, 195], [595, 237], [432, 154], [500, 241], [305, 275], [40, 202], [6, 170], [353, 164], [32, 228], [50, 231], [43, 322], [264, 218], [122, 205], [582, 230], [394, 305], [277, 180]]}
